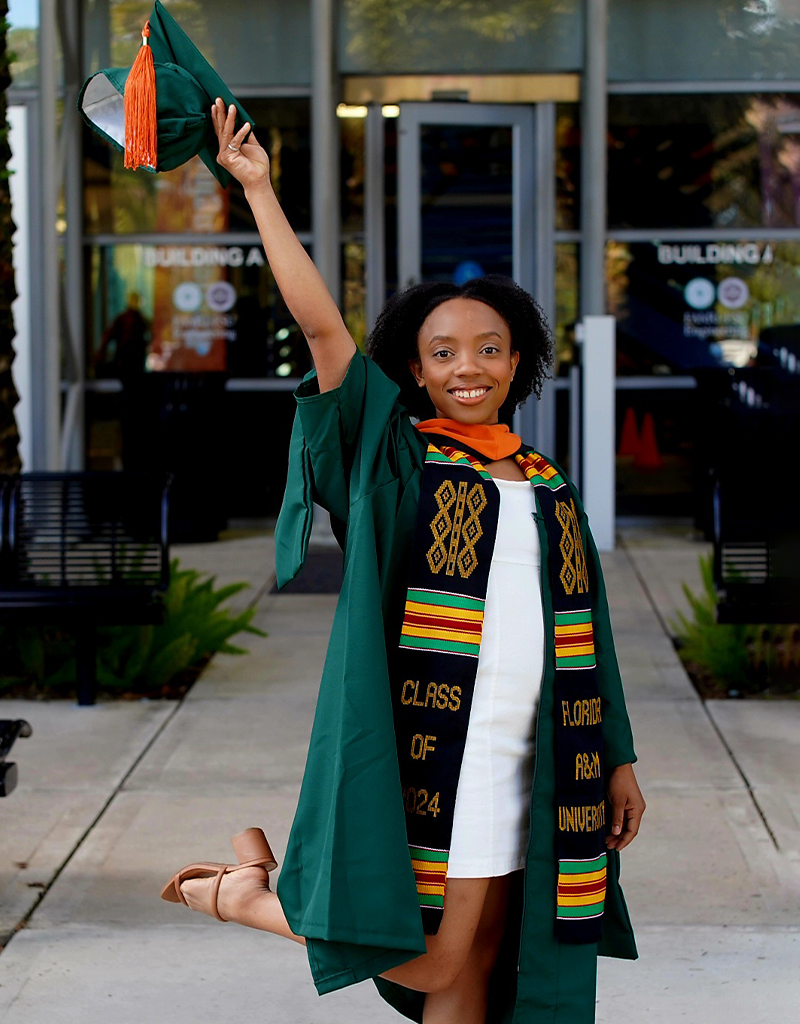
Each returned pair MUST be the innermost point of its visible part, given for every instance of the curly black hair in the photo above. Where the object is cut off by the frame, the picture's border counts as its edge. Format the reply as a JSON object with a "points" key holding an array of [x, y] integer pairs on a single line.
{"points": [[393, 341]]}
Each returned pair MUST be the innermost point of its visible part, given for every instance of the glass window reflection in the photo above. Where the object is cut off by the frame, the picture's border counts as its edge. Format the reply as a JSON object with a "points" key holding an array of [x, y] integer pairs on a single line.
{"points": [[695, 306], [189, 308], [189, 199], [248, 44], [458, 36], [674, 40], [568, 167], [354, 291], [466, 195], [22, 42], [567, 272], [351, 136], [726, 161]]}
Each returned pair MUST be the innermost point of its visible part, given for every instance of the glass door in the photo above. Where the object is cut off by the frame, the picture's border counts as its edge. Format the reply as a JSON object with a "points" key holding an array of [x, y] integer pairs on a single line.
{"points": [[476, 195], [465, 192]]}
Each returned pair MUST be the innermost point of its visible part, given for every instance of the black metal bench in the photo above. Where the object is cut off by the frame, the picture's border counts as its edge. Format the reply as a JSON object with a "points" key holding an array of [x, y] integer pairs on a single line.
{"points": [[756, 528], [84, 550]]}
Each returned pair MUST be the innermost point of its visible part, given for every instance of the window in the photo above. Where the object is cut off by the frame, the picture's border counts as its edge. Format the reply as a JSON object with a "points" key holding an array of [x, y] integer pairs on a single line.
{"points": [[189, 308], [682, 307], [188, 199], [725, 161]]}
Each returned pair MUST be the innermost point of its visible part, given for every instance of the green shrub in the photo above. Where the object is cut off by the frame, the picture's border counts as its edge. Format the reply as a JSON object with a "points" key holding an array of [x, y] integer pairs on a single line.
{"points": [[134, 659], [734, 657]]}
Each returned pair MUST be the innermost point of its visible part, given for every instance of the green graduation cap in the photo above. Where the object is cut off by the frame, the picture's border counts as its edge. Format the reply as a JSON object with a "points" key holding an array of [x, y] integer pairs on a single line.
{"points": [[158, 112]]}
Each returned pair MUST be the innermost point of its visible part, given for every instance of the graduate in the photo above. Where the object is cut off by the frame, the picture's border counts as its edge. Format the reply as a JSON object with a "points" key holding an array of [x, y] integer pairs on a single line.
{"points": [[469, 783]]}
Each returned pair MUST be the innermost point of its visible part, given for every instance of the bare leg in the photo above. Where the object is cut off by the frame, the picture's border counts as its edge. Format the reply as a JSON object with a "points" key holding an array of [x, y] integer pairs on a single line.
{"points": [[244, 897], [466, 1000], [454, 972], [473, 923]]}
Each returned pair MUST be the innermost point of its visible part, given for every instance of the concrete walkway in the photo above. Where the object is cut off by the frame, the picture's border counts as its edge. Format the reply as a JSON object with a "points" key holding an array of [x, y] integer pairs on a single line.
{"points": [[113, 798]]}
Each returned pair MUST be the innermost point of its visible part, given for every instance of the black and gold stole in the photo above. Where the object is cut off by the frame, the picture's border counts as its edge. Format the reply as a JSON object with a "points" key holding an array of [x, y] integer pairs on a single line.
{"points": [[580, 786], [434, 670]]}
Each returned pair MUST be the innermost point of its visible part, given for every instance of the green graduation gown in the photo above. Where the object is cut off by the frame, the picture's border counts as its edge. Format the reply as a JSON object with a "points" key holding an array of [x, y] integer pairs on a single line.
{"points": [[347, 883]]}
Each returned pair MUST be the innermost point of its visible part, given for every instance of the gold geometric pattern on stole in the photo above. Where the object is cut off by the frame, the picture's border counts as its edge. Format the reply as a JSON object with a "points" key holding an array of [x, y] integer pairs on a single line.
{"points": [[441, 526], [573, 572], [455, 536], [463, 533], [472, 531]]}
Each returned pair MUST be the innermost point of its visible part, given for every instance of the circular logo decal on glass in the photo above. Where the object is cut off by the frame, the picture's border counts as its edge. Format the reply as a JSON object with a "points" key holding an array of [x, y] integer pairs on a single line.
{"points": [[699, 293], [733, 292], [220, 296], [188, 297], [466, 271]]}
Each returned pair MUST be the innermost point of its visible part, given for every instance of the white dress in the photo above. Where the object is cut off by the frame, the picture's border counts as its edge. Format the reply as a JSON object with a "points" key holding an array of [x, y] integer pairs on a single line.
{"points": [[491, 817]]}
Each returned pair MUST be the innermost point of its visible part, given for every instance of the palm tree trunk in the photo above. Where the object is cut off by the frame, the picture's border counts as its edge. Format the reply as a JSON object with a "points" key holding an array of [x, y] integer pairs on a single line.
{"points": [[9, 434]]}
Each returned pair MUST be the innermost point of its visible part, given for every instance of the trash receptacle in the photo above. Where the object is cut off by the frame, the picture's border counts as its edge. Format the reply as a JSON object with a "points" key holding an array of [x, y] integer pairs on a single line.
{"points": [[756, 433]]}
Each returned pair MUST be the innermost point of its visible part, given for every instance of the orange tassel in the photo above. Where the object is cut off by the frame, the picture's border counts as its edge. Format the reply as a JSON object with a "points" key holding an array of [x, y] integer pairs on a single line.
{"points": [[141, 124]]}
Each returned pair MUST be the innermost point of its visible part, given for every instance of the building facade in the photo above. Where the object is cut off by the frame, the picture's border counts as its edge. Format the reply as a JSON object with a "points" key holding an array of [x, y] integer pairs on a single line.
{"points": [[633, 157]]}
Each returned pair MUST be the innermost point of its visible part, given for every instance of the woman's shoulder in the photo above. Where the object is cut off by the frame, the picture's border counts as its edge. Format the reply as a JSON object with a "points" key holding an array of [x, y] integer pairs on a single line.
{"points": [[364, 388], [359, 429]]}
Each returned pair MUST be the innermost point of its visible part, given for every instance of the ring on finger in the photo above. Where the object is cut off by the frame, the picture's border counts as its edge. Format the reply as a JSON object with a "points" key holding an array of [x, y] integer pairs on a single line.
{"points": [[234, 148]]}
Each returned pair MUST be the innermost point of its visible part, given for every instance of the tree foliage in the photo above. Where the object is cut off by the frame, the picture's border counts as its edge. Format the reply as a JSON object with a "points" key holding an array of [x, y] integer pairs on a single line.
{"points": [[9, 435]]}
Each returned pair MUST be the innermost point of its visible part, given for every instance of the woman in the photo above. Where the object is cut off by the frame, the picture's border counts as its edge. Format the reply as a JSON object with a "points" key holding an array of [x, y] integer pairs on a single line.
{"points": [[470, 600]]}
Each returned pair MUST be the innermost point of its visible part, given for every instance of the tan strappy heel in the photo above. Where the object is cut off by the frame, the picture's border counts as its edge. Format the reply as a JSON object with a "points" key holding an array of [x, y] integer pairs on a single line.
{"points": [[252, 851]]}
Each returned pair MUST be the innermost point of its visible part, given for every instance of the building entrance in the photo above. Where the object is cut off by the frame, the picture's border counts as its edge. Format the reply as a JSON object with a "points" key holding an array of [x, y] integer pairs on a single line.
{"points": [[465, 190], [469, 203]]}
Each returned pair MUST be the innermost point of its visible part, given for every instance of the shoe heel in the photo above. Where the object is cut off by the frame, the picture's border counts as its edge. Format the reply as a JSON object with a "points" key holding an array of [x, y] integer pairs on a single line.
{"points": [[252, 845]]}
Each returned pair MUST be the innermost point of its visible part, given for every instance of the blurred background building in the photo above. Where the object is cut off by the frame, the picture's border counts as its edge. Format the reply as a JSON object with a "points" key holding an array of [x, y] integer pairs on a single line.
{"points": [[635, 157]]}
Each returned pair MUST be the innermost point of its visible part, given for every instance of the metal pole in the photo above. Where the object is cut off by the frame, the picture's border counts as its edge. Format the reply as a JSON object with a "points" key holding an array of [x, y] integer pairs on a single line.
{"points": [[534, 253], [47, 347], [374, 214], [598, 350], [72, 440], [594, 122], [325, 146], [599, 469], [544, 232], [409, 220], [575, 409]]}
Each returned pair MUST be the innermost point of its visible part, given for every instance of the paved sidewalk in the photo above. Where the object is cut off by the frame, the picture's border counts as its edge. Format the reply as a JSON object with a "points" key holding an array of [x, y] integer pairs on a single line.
{"points": [[713, 881], [113, 798]]}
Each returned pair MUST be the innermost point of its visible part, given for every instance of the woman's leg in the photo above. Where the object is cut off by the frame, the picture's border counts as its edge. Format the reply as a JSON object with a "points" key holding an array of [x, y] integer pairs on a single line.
{"points": [[244, 897], [466, 1000], [461, 955], [454, 972]]}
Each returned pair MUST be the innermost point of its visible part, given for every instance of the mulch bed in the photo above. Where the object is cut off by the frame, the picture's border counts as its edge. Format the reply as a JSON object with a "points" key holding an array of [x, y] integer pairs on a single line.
{"points": [[759, 687], [176, 689]]}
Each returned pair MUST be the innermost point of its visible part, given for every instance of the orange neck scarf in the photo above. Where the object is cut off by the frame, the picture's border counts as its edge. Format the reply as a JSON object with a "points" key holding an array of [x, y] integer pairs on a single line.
{"points": [[494, 440]]}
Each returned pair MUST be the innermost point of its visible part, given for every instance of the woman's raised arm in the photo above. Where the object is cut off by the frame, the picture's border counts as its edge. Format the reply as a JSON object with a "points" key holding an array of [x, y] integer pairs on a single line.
{"points": [[301, 285]]}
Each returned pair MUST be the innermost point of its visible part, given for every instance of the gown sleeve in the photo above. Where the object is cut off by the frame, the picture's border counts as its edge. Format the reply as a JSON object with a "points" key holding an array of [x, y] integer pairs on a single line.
{"points": [[345, 443]]}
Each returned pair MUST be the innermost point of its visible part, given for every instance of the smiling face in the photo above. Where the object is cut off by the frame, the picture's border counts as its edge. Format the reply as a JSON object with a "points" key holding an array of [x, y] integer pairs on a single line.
{"points": [[466, 360]]}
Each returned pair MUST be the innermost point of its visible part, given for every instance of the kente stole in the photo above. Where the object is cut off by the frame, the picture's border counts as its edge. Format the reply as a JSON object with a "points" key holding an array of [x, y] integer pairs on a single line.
{"points": [[435, 666]]}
